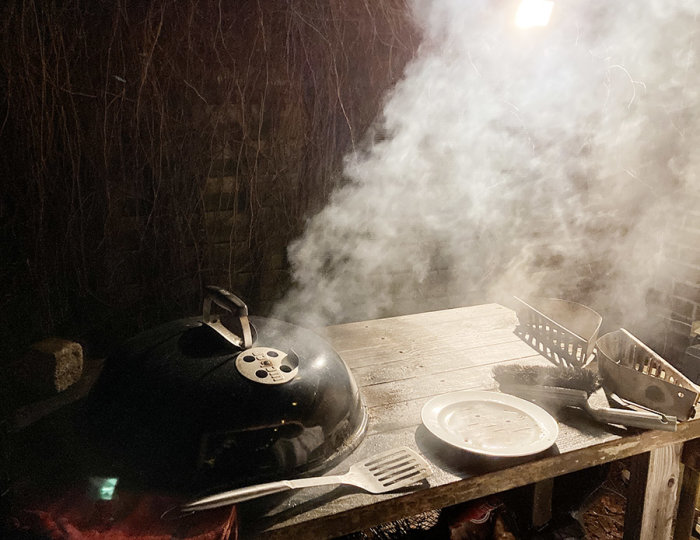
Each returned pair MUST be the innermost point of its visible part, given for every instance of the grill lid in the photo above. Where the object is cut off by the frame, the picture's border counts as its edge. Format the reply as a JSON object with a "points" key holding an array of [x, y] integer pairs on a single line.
{"points": [[185, 405]]}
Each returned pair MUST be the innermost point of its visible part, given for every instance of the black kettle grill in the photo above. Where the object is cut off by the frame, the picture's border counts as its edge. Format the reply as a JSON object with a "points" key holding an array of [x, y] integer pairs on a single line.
{"points": [[224, 399]]}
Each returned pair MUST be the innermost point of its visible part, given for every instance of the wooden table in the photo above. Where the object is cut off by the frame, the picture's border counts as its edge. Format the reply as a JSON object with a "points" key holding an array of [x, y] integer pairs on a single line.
{"points": [[401, 362]]}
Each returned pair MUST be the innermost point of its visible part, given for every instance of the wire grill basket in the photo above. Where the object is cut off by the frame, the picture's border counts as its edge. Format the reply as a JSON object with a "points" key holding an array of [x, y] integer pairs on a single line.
{"points": [[636, 373], [564, 332]]}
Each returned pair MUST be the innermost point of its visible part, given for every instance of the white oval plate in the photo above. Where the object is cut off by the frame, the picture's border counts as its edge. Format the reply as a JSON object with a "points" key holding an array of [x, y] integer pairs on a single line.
{"points": [[490, 423]]}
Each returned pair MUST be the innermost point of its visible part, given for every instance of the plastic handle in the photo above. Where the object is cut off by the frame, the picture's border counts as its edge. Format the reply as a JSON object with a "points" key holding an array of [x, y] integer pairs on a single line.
{"points": [[253, 492]]}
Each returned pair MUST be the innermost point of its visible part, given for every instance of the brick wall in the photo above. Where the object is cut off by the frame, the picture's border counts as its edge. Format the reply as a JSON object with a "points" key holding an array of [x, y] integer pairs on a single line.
{"points": [[683, 279]]}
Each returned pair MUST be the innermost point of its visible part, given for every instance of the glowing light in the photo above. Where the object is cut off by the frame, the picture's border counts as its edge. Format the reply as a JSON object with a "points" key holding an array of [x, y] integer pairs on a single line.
{"points": [[102, 488], [533, 13]]}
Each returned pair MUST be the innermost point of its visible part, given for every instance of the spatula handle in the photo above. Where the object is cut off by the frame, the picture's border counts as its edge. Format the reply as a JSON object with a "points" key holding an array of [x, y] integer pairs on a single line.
{"points": [[253, 492]]}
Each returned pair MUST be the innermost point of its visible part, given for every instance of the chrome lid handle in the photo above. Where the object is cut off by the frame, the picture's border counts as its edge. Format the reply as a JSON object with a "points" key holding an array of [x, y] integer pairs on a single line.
{"points": [[237, 307]]}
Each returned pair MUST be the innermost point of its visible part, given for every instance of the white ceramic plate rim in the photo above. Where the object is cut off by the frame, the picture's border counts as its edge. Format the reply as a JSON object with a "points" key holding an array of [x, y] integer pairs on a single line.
{"points": [[431, 413]]}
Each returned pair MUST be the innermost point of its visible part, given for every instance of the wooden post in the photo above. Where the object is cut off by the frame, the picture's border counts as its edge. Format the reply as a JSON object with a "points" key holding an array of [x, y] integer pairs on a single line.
{"points": [[685, 519], [657, 494], [542, 503], [639, 469]]}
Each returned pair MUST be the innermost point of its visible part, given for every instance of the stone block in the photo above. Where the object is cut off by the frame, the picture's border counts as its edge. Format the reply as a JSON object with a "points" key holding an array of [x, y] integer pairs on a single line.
{"points": [[276, 259], [273, 283], [679, 328], [682, 308], [55, 364], [687, 292], [222, 226], [48, 368], [687, 237], [684, 272], [690, 256]]}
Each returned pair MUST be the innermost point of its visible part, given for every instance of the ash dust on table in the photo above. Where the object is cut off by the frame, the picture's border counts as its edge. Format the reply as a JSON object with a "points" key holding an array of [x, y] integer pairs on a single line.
{"points": [[598, 515]]}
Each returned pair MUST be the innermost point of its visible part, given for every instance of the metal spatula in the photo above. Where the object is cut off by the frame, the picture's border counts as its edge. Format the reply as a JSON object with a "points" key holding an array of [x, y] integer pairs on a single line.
{"points": [[381, 473]]}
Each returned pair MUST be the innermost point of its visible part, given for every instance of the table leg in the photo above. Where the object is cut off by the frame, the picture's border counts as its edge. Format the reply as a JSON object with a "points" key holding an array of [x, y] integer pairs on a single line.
{"points": [[652, 494], [542, 503], [685, 518], [639, 468]]}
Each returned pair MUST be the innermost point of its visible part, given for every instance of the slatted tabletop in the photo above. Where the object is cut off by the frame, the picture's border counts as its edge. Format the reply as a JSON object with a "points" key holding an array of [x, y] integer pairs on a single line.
{"points": [[399, 364]]}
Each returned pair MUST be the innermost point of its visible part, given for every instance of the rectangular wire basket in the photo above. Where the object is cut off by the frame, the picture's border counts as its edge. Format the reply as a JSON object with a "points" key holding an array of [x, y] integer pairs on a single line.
{"points": [[564, 332]]}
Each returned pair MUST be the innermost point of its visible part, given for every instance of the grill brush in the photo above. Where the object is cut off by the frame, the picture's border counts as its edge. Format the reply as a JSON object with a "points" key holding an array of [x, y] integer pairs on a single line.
{"points": [[566, 387]]}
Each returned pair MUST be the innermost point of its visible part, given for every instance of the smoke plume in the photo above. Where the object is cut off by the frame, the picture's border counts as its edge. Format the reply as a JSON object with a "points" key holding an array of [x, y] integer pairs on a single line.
{"points": [[514, 161]]}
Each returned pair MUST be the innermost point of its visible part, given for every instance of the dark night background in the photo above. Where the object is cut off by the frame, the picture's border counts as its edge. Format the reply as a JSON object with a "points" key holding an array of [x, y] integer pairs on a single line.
{"points": [[150, 148], [332, 161]]}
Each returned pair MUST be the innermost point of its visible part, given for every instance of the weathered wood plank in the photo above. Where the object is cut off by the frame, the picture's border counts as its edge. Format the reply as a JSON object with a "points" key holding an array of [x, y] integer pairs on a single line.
{"points": [[373, 343], [660, 496], [428, 385], [442, 362], [685, 519], [690, 489], [577, 429], [691, 455]]}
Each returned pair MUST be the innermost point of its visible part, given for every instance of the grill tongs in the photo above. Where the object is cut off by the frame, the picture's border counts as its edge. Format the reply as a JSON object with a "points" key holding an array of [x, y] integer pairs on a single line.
{"points": [[556, 386], [634, 372], [568, 397]]}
